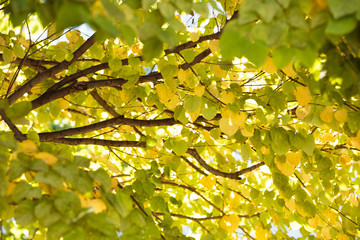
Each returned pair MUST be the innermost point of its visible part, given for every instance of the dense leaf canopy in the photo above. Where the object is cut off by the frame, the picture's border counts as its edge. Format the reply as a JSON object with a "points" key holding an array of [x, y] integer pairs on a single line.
{"points": [[179, 119]]}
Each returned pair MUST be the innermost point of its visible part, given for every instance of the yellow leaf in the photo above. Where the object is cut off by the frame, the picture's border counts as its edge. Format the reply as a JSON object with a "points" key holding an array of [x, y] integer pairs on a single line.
{"points": [[327, 114], [83, 200], [164, 92], [230, 223], [247, 133], [73, 36], [2, 41], [239, 119], [233, 183], [10, 188], [285, 168], [234, 76], [330, 215], [214, 46], [303, 95], [227, 97], [353, 200], [199, 90], [213, 90], [341, 115], [173, 103], [302, 112], [265, 150], [313, 222], [269, 66], [293, 158], [290, 204], [306, 177], [342, 236], [47, 157], [234, 200], [345, 160], [289, 70], [136, 49], [208, 181], [28, 147], [63, 103], [325, 233], [218, 72], [261, 234], [355, 141], [194, 36], [97, 205], [227, 126]]}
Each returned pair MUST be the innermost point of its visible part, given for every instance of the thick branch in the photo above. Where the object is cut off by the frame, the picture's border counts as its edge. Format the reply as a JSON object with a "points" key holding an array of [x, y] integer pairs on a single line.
{"points": [[51, 72], [235, 175]]}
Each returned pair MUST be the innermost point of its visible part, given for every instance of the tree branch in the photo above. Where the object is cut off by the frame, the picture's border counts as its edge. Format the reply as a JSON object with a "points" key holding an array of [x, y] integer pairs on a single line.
{"points": [[203, 218], [17, 133], [50, 72]]}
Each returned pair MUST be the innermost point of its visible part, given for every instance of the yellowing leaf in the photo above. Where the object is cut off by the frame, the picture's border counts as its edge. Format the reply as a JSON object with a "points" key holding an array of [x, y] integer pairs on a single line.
{"points": [[353, 200], [28, 147], [239, 119], [234, 200], [218, 72], [234, 76], [341, 115], [355, 141], [289, 70], [47, 157], [345, 160], [164, 92], [269, 66], [63, 103], [327, 114], [213, 90], [290, 204], [73, 36], [230, 223], [306, 177], [233, 183], [265, 150], [293, 158], [303, 95], [214, 46], [199, 90], [262, 234], [342, 236], [10, 188], [302, 112], [247, 132], [227, 97], [227, 126], [285, 168], [313, 222], [173, 103], [325, 233], [97, 205], [194, 36], [208, 181]]}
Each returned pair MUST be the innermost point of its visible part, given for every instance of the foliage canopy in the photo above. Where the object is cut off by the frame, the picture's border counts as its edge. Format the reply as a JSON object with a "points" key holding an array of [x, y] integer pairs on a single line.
{"points": [[212, 119]]}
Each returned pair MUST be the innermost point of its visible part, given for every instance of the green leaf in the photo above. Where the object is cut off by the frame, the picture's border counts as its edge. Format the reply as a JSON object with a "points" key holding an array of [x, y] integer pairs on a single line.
{"points": [[52, 178], [46, 214], [342, 8], [152, 48], [81, 161], [137, 217], [115, 64], [8, 140], [24, 213], [341, 26], [79, 14], [209, 112], [18, 110], [166, 9], [256, 53], [121, 202], [67, 203], [245, 152], [180, 147], [18, 50], [268, 10], [192, 103], [309, 145], [103, 177], [146, 4], [282, 56], [232, 45]]}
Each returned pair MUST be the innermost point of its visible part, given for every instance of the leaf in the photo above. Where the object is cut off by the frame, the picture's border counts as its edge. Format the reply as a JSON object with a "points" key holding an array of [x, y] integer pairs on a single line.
{"points": [[327, 114], [48, 158], [303, 112], [285, 168], [341, 26], [180, 147], [293, 158], [19, 110], [18, 51], [341, 115], [269, 66], [309, 145], [230, 223], [303, 95], [152, 48], [245, 152], [28, 147], [79, 14], [192, 103], [97, 205], [227, 126], [342, 8], [194, 36], [283, 56], [208, 181]]}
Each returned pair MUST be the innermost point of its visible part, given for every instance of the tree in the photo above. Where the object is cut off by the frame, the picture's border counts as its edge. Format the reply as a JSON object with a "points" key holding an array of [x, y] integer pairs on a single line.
{"points": [[214, 119]]}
